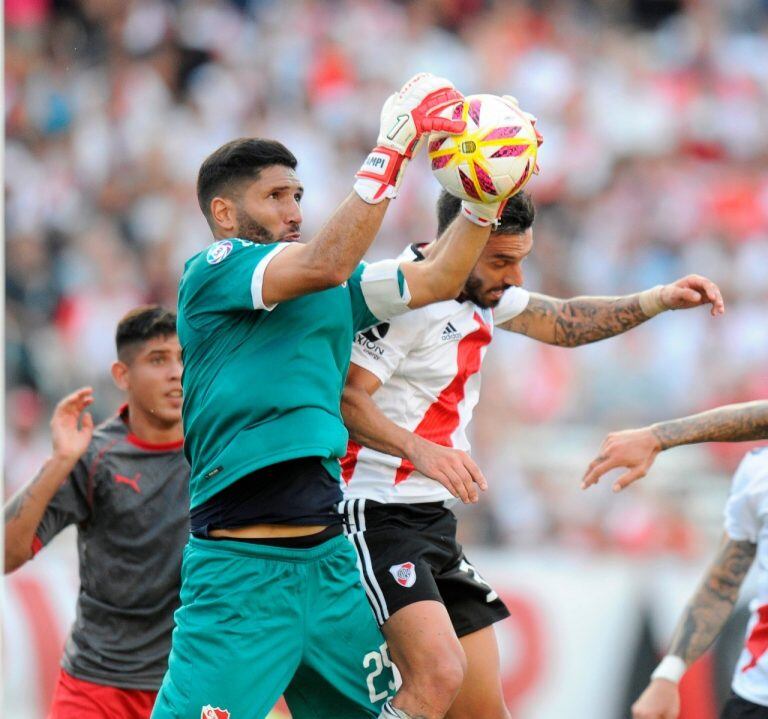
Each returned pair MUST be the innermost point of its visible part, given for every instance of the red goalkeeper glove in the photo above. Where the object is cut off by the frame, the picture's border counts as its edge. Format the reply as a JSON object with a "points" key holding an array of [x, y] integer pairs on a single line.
{"points": [[405, 117]]}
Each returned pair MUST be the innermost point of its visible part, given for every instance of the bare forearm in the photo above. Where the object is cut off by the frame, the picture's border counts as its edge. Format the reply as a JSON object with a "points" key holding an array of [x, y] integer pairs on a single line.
{"points": [[710, 607], [369, 426], [443, 274], [578, 321], [590, 319], [456, 254], [346, 237], [731, 423], [25, 510]]}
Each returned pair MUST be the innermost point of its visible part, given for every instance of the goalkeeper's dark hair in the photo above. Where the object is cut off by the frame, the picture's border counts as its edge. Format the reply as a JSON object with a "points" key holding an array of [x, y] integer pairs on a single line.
{"points": [[239, 160], [142, 324], [516, 217]]}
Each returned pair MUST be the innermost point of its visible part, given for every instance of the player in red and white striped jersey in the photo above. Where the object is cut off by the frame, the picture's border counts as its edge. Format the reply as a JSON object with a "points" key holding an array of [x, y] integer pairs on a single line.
{"points": [[411, 390], [746, 537], [428, 367]]}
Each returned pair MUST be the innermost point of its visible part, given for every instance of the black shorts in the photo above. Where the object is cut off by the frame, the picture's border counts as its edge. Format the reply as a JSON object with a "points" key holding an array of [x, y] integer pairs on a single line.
{"points": [[409, 553], [738, 708]]}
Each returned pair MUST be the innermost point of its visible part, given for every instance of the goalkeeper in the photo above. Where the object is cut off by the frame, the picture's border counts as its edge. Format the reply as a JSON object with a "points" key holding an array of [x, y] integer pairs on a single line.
{"points": [[271, 598]]}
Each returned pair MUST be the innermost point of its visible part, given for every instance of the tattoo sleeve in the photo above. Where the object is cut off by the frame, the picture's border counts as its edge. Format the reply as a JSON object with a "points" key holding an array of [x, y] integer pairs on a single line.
{"points": [[731, 423], [578, 321], [708, 610]]}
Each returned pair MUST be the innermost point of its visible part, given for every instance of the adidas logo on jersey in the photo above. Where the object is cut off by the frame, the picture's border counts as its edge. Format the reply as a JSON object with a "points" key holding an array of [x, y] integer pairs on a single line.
{"points": [[450, 333]]}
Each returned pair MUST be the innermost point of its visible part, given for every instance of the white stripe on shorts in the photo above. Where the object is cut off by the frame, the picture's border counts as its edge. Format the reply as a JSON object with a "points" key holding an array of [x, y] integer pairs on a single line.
{"points": [[353, 510]]}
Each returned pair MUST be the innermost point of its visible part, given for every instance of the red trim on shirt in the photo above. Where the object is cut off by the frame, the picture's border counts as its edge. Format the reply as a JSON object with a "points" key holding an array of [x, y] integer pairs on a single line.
{"points": [[442, 418], [349, 462], [142, 443], [37, 545], [153, 446]]}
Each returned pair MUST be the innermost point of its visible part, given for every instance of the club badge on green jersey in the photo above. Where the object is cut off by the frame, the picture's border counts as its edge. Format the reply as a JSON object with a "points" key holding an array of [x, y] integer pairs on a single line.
{"points": [[218, 251]]}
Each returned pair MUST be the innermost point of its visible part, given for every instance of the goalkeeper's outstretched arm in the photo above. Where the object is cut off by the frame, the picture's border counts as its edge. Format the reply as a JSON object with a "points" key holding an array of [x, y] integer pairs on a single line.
{"points": [[441, 276], [331, 257]]}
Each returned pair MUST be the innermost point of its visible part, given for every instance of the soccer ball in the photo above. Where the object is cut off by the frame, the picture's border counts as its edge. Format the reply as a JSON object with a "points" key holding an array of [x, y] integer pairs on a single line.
{"points": [[493, 158]]}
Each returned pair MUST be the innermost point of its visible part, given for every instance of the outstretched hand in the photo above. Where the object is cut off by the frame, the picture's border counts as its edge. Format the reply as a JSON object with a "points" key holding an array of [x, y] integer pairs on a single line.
{"points": [[634, 449], [71, 426], [692, 291]]}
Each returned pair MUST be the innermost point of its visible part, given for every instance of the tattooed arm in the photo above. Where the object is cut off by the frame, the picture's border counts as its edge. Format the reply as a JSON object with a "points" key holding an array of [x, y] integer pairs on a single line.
{"points": [[701, 622], [570, 323], [578, 321], [731, 423], [25, 510], [636, 449], [711, 605]]}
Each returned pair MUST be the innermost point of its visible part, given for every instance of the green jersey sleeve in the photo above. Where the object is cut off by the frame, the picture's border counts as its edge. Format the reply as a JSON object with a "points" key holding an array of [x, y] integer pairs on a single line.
{"points": [[378, 292], [227, 277]]}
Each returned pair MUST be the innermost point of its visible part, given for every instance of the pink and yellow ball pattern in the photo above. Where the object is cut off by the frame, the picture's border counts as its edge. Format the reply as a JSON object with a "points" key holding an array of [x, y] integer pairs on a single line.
{"points": [[493, 158]]}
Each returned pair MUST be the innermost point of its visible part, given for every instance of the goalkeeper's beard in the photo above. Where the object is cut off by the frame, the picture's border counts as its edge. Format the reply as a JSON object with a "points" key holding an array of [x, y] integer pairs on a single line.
{"points": [[249, 229]]}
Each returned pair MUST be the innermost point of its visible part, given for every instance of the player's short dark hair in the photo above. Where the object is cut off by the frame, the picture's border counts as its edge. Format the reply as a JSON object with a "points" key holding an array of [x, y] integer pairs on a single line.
{"points": [[516, 217], [238, 160], [142, 324]]}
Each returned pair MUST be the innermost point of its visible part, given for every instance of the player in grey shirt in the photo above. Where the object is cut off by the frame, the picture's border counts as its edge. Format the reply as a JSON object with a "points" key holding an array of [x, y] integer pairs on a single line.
{"points": [[125, 484]]}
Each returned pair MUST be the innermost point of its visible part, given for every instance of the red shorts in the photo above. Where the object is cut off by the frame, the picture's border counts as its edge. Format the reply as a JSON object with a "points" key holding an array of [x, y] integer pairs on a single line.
{"points": [[76, 698]]}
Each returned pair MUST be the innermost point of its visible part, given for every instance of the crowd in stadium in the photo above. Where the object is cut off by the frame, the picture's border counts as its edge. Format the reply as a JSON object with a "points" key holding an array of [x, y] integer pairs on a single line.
{"points": [[655, 128]]}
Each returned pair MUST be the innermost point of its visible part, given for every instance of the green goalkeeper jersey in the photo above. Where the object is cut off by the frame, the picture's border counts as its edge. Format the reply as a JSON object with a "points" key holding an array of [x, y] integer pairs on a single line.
{"points": [[262, 384]]}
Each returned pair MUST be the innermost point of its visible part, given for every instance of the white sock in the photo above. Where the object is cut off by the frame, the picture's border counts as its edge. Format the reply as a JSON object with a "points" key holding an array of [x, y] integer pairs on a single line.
{"points": [[390, 712]]}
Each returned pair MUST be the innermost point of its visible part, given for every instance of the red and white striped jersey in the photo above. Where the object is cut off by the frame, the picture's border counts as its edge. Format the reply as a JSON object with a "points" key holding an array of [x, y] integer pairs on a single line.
{"points": [[428, 361], [745, 520]]}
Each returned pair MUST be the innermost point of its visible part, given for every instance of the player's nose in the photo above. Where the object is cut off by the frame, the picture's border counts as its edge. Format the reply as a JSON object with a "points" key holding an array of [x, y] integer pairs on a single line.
{"points": [[293, 215], [514, 276], [175, 369]]}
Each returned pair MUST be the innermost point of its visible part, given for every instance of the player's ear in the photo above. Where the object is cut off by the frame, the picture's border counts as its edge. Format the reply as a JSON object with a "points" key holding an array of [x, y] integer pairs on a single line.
{"points": [[224, 214], [120, 372]]}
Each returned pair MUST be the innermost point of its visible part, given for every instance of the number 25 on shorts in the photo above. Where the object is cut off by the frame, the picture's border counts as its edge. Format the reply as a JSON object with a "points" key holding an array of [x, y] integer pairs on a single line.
{"points": [[374, 663]]}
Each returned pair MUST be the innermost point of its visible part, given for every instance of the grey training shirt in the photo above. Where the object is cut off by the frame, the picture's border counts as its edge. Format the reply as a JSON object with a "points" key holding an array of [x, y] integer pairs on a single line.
{"points": [[130, 501]]}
